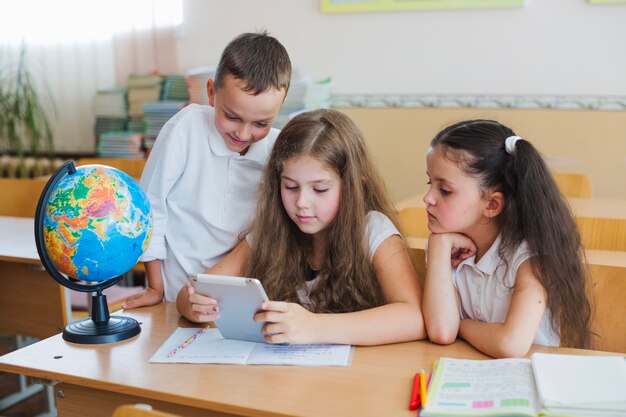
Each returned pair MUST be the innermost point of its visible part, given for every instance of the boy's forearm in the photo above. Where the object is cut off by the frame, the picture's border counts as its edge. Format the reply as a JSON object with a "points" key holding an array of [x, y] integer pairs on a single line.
{"points": [[153, 275]]}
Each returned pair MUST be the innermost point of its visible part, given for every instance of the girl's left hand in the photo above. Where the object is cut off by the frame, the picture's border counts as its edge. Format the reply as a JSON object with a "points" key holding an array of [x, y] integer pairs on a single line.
{"points": [[287, 323], [462, 248]]}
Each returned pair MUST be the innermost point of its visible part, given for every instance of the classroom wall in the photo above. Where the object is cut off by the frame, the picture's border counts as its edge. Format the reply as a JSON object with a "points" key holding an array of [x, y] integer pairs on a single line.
{"points": [[587, 141], [549, 47], [546, 47]]}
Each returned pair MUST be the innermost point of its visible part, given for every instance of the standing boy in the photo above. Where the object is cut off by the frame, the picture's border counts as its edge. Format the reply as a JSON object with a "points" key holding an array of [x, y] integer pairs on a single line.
{"points": [[204, 172]]}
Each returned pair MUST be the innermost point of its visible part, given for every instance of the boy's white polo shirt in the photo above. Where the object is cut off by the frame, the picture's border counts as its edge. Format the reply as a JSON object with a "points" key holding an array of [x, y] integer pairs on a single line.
{"points": [[202, 194]]}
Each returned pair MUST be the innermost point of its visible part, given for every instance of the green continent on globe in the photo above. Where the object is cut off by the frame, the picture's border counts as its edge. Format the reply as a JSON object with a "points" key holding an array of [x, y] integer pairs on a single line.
{"points": [[97, 223]]}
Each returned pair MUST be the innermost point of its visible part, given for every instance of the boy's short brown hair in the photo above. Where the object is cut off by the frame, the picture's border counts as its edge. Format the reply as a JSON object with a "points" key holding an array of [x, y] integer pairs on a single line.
{"points": [[259, 60]]}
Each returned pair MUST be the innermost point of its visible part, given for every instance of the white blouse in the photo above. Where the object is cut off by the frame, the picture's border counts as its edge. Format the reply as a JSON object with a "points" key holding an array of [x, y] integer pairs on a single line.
{"points": [[485, 289]]}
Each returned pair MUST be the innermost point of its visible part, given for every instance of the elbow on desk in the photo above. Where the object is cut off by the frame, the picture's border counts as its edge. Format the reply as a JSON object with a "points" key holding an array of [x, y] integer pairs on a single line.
{"points": [[509, 347], [441, 336]]}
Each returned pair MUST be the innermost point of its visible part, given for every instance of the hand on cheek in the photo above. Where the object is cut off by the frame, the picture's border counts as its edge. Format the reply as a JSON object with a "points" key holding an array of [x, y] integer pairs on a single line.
{"points": [[462, 248], [287, 323]]}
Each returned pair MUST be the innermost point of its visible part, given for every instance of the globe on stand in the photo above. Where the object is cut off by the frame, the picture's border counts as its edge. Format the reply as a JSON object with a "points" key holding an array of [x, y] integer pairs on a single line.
{"points": [[92, 224]]}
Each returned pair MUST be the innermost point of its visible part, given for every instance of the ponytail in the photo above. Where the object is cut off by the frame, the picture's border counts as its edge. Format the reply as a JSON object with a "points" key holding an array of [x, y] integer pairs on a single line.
{"points": [[537, 212]]}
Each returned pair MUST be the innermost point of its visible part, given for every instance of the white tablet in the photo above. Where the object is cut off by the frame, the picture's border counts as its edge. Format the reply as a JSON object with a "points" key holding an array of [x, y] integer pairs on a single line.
{"points": [[239, 300]]}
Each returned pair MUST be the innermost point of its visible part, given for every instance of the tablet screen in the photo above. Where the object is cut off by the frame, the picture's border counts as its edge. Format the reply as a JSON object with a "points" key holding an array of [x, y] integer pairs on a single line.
{"points": [[239, 300]]}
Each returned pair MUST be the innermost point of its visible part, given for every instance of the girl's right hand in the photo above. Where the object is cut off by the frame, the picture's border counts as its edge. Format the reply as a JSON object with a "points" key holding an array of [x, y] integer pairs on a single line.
{"points": [[460, 246], [201, 309]]}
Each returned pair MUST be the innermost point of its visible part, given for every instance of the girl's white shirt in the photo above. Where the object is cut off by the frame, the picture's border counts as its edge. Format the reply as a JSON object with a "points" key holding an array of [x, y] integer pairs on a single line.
{"points": [[378, 228], [202, 194], [485, 289]]}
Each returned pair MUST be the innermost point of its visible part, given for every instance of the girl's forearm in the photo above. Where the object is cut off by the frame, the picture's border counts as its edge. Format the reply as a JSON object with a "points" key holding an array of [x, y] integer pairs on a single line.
{"points": [[494, 339], [182, 304], [440, 304], [390, 323]]}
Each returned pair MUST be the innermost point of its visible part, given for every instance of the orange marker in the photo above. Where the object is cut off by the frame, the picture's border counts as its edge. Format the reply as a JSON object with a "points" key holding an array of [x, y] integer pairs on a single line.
{"points": [[422, 375]]}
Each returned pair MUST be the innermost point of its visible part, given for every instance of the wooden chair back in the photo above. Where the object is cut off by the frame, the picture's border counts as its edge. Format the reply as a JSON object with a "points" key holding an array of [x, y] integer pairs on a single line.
{"points": [[133, 167], [414, 222], [608, 289], [573, 185], [19, 196], [602, 233], [139, 411]]}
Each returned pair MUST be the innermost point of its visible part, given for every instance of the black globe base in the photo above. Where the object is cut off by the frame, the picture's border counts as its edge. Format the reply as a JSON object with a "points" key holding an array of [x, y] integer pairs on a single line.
{"points": [[114, 330]]}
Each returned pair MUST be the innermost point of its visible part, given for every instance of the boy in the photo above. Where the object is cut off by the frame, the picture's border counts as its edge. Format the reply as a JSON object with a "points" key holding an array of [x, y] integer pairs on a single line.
{"points": [[204, 172]]}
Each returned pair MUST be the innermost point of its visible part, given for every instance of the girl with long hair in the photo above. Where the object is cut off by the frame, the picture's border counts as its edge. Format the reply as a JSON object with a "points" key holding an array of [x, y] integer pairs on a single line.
{"points": [[505, 262], [324, 244]]}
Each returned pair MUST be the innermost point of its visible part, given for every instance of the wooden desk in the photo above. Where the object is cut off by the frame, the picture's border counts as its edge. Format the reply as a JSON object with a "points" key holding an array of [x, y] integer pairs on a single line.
{"points": [[31, 302], [582, 207], [97, 378]]}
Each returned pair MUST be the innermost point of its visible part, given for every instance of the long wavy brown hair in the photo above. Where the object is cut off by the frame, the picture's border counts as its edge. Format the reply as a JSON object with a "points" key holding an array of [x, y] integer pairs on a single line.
{"points": [[279, 249], [535, 211]]}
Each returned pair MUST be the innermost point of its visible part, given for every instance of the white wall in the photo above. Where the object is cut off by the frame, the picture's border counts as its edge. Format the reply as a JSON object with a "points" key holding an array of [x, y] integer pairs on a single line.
{"points": [[564, 47]]}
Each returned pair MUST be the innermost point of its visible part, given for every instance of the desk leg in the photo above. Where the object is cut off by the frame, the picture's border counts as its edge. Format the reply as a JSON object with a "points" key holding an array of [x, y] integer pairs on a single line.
{"points": [[79, 401]]}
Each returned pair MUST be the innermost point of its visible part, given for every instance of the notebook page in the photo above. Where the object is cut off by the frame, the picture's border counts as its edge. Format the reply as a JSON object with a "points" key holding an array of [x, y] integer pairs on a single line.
{"points": [[463, 387], [580, 381], [210, 347], [305, 355]]}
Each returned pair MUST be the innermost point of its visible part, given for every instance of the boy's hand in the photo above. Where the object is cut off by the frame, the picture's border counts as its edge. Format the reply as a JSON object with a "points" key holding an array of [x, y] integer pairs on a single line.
{"points": [[149, 297], [287, 323], [201, 309]]}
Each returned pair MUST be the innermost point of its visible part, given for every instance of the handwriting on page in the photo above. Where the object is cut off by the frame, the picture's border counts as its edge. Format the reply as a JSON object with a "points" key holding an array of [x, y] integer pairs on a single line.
{"points": [[210, 347], [299, 354], [486, 385]]}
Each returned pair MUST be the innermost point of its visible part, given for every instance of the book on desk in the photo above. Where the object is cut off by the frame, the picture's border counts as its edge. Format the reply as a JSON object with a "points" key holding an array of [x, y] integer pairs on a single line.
{"points": [[206, 345], [544, 385]]}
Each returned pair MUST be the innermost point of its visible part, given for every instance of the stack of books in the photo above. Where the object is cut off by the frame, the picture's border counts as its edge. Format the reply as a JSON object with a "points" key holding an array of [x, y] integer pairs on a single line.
{"points": [[155, 116], [110, 103], [143, 89], [196, 83], [120, 145], [174, 88], [110, 110]]}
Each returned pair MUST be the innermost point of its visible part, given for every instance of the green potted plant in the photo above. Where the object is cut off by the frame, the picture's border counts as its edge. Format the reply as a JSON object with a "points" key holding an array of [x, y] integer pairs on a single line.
{"points": [[24, 113]]}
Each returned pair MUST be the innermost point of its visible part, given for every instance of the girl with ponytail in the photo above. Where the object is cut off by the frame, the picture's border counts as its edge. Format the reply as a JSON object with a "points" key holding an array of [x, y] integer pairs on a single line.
{"points": [[505, 262]]}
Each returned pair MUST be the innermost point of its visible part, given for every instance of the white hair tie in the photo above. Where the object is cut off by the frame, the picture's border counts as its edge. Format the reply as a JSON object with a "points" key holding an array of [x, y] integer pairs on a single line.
{"points": [[509, 144]]}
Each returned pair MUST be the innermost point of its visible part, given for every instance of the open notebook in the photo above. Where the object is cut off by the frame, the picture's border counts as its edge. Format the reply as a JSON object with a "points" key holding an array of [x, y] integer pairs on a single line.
{"points": [[206, 345], [544, 385]]}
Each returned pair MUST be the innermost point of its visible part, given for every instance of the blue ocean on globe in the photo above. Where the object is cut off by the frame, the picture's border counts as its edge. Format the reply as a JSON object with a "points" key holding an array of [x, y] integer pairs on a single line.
{"points": [[97, 223]]}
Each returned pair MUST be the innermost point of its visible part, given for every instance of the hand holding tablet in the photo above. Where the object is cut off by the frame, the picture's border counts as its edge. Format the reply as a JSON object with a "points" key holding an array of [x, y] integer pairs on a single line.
{"points": [[238, 300]]}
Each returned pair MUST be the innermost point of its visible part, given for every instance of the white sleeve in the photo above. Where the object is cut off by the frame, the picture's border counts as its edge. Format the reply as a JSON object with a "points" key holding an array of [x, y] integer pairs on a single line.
{"points": [[520, 255], [378, 228], [163, 168]]}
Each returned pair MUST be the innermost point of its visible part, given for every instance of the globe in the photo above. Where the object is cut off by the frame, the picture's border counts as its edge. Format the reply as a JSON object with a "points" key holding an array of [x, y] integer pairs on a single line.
{"points": [[92, 224], [96, 223]]}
